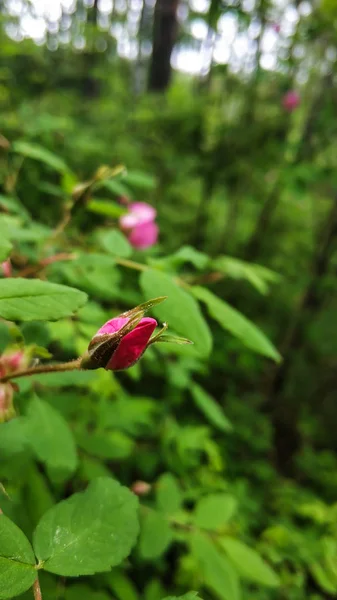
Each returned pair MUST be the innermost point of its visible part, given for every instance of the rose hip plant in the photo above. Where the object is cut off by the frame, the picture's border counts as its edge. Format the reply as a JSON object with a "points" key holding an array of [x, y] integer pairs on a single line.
{"points": [[100, 476]]}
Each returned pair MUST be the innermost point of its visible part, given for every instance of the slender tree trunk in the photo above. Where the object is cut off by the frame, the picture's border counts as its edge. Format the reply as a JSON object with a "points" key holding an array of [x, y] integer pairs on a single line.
{"points": [[164, 37], [285, 411]]}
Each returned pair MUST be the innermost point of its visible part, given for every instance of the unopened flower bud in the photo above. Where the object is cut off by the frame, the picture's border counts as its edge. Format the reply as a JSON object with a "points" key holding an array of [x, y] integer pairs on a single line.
{"points": [[141, 488]]}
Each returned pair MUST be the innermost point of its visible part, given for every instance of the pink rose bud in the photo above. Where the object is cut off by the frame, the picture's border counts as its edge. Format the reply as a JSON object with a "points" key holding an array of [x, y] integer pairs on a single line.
{"points": [[6, 268], [6, 402], [139, 225], [291, 100], [141, 488], [14, 361]]}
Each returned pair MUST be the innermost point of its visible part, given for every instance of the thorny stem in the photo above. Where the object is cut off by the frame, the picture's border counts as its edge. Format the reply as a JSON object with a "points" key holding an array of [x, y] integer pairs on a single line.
{"points": [[69, 366], [37, 589]]}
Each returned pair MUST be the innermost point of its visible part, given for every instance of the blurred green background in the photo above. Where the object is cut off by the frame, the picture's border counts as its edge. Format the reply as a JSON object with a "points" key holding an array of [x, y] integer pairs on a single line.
{"points": [[189, 97]]}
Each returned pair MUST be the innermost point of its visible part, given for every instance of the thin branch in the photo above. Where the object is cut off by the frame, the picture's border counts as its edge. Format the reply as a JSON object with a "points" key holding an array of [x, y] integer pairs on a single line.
{"points": [[69, 366], [37, 589]]}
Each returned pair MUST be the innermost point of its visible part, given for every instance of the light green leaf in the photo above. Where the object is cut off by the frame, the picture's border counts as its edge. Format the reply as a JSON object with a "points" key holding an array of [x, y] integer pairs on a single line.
{"points": [[17, 560], [41, 154], [249, 563], [5, 248], [116, 187], [189, 596], [168, 494], [35, 300], [257, 275], [324, 578], [210, 408], [106, 208], [238, 325], [49, 436], [155, 535], [90, 532], [218, 574], [139, 180], [116, 243], [180, 309], [214, 511]]}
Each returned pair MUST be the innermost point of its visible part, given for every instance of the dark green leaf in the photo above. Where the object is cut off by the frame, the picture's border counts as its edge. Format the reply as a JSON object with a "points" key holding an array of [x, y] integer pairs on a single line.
{"points": [[155, 535], [168, 494]]}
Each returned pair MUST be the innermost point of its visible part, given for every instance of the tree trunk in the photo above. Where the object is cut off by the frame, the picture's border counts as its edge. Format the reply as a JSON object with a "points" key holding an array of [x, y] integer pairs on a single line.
{"points": [[164, 37]]}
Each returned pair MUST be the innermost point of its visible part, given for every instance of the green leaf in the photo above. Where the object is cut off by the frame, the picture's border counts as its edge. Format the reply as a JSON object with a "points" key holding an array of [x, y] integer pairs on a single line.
{"points": [[238, 325], [210, 408], [326, 581], [49, 436], [214, 511], [12, 437], [5, 248], [35, 300], [249, 563], [189, 596], [90, 532], [140, 180], [41, 154], [17, 560], [116, 187], [168, 494], [116, 243], [106, 208], [218, 574], [186, 254], [121, 585], [180, 310], [155, 535], [257, 275]]}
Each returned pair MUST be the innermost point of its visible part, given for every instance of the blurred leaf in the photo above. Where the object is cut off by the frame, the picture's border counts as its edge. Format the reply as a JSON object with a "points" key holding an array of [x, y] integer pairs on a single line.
{"points": [[5, 249], [214, 511], [139, 180], [168, 494], [17, 560], [210, 408], [105, 208], [257, 275], [180, 309], [326, 581], [217, 573], [90, 532], [35, 300], [116, 187], [49, 436], [189, 596], [155, 535], [36, 152], [238, 325], [121, 585], [108, 445], [116, 243], [249, 563]]}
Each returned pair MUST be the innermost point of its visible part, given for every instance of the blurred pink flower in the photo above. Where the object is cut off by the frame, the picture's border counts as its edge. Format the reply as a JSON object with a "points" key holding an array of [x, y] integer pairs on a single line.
{"points": [[7, 268], [6, 402], [139, 225], [276, 27], [291, 100]]}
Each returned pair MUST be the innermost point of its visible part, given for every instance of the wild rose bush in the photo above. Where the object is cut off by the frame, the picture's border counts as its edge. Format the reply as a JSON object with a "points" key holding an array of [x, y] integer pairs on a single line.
{"points": [[100, 476]]}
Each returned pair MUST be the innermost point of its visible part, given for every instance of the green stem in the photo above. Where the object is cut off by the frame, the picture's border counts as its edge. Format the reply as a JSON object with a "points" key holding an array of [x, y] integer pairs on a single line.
{"points": [[69, 366], [131, 264]]}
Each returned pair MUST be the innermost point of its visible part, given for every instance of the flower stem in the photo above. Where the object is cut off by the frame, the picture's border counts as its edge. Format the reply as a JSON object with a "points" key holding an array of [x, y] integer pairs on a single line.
{"points": [[131, 264], [69, 366], [37, 589]]}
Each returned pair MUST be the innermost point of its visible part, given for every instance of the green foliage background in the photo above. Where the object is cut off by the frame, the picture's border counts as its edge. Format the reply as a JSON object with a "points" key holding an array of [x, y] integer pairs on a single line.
{"points": [[235, 435]]}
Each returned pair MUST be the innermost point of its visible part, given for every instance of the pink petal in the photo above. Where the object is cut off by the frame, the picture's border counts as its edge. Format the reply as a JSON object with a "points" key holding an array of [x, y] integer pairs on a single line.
{"points": [[291, 100], [144, 235], [132, 345], [139, 212], [113, 325]]}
